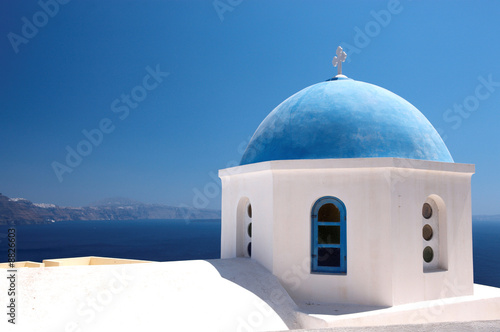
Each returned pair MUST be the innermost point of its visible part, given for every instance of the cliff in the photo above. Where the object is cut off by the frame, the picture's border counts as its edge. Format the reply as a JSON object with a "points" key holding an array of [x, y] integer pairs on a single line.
{"points": [[14, 211]]}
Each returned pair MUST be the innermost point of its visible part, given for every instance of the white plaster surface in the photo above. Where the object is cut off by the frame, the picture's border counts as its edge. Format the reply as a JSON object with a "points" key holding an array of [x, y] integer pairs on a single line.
{"points": [[484, 305], [383, 199], [476, 326], [213, 295]]}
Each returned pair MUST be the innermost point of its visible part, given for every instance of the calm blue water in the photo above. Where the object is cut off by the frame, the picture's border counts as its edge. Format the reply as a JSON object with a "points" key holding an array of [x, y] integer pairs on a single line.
{"points": [[486, 237], [166, 240], [157, 240]]}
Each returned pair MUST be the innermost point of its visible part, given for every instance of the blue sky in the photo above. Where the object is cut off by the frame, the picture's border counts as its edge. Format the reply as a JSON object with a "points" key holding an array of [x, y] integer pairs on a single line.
{"points": [[205, 74]]}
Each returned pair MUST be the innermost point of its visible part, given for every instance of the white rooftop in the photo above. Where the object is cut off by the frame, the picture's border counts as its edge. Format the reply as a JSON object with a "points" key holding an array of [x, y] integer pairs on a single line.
{"points": [[214, 295]]}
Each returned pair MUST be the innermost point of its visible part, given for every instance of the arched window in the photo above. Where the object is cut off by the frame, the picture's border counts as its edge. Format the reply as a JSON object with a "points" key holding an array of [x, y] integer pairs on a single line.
{"points": [[244, 228], [328, 245], [434, 238]]}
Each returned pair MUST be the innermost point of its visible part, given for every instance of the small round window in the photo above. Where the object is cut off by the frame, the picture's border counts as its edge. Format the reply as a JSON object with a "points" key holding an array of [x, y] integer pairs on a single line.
{"points": [[249, 229], [249, 210], [427, 210], [428, 254], [427, 232], [249, 249]]}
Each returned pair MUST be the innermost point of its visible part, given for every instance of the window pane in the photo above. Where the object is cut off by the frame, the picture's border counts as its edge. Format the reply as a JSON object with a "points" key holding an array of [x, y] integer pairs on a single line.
{"points": [[329, 257], [428, 254], [427, 232], [427, 210], [328, 234], [329, 212]]}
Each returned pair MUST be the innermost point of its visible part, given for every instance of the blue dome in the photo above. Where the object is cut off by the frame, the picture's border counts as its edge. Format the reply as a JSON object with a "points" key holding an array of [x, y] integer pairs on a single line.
{"points": [[344, 118]]}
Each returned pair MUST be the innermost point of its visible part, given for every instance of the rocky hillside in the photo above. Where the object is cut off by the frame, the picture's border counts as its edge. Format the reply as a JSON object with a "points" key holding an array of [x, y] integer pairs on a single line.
{"points": [[21, 211]]}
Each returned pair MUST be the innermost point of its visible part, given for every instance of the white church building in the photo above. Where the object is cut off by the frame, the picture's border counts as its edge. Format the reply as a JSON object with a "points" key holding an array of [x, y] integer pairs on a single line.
{"points": [[347, 210], [353, 185], [348, 195]]}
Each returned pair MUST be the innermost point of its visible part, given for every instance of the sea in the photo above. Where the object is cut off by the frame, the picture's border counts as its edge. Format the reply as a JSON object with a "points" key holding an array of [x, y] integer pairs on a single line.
{"points": [[169, 240]]}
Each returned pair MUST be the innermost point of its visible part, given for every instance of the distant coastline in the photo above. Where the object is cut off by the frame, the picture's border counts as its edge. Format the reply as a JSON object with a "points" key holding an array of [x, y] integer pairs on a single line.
{"points": [[495, 217], [19, 211]]}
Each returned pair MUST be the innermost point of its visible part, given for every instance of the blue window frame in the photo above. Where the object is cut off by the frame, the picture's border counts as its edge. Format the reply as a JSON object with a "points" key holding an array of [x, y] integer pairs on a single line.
{"points": [[328, 244]]}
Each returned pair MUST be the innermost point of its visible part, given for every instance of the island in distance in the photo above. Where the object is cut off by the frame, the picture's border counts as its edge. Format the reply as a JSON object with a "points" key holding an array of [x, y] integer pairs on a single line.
{"points": [[17, 211]]}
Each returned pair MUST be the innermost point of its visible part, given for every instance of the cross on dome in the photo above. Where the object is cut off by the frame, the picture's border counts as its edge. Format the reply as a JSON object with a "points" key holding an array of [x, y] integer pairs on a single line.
{"points": [[338, 59]]}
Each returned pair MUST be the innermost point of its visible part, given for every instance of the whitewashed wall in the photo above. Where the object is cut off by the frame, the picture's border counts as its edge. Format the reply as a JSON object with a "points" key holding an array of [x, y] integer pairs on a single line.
{"points": [[383, 199]]}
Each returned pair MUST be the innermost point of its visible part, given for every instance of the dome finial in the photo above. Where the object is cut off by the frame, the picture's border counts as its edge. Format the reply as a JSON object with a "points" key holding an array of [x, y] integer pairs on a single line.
{"points": [[338, 59]]}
